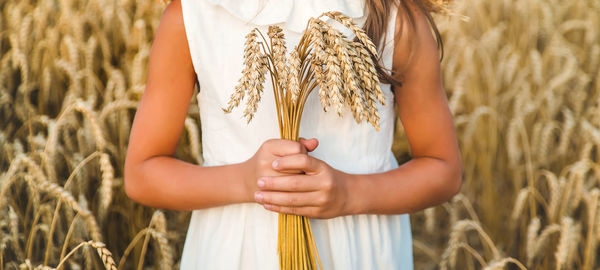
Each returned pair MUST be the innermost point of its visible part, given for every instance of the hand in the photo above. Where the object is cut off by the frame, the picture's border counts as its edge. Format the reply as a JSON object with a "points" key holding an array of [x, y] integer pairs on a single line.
{"points": [[320, 193], [260, 164]]}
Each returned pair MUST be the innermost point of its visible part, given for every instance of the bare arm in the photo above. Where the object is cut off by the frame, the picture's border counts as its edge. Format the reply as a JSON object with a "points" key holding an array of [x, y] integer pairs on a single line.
{"points": [[434, 173], [152, 175], [431, 177]]}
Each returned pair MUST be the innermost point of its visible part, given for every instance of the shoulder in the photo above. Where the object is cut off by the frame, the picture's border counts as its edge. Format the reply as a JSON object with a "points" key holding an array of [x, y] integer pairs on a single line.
{"points": [[414, 39], [172, 17], [170, 42]]}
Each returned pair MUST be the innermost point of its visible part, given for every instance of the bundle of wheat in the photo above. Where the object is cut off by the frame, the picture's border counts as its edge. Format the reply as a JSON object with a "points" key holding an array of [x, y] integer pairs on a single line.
{"points": [[346, 75]]}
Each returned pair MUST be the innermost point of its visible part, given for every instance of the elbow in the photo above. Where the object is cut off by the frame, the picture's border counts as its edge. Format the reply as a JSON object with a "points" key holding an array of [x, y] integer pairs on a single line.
{"points": [[455, 179], [131, 183]]}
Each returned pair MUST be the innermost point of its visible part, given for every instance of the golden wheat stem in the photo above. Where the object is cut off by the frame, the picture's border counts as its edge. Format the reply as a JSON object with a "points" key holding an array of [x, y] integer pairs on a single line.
{"points": [[159, 223], [129, 247], [29, 244], [298, 114], [143, 253], [69, 254], [313, 246], [51, 231], [275, 91], [590, 243], [104, 254], [473, 253], [429, 251], [59, 201], [67, 239]]}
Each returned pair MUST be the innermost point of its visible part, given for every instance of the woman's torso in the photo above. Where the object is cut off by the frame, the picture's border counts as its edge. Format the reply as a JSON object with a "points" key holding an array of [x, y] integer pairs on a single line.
{"points": [[243, 236]]}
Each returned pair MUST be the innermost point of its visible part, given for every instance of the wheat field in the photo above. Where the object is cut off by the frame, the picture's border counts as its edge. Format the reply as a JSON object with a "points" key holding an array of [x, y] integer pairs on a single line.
{"points": [[522, 82]]}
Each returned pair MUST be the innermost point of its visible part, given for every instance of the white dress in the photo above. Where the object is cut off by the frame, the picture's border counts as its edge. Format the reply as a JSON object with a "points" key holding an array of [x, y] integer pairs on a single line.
{"points": [[244, 236]]}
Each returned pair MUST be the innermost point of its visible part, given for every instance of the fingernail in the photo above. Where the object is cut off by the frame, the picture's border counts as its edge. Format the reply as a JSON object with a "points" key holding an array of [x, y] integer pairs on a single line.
{"points": [[258, 196], [275, 163], [261, 183]]}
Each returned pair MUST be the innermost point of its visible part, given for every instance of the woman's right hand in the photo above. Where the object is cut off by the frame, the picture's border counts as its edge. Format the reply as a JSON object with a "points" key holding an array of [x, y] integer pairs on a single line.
{"points": [[261, 163]]}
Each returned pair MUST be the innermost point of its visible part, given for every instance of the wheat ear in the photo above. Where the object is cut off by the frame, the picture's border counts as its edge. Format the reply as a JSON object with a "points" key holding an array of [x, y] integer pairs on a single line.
{"points": [[359, 32], [279, 50]]}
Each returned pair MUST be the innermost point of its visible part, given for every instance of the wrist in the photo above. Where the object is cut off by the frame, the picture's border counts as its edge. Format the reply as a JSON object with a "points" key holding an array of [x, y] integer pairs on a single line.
{"points": [[354, 195], [246, 181]]}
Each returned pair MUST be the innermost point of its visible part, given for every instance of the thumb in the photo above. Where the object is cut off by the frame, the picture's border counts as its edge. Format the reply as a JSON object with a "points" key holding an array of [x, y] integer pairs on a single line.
{"points": [[310, 144]]}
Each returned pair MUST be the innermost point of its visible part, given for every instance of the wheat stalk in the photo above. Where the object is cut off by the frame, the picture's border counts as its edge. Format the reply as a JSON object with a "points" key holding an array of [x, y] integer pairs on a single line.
{"points": [[106, 185], [359, 32], [59, 193], [590, 243], [568, 236], [253, 76], [103, 252], [279, 50], [532, 229], [543, 239], [458, 231], [159, 223]]}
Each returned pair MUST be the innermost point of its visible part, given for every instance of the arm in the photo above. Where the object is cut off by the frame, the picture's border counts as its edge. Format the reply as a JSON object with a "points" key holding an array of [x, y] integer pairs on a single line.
{"points": [[152, 175], [434, 173], [431, 177]]}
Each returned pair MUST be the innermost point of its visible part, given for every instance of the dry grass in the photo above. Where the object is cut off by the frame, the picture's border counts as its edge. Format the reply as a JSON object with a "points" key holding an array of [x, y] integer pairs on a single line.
{"points": [[522, 81], [71, 75]]}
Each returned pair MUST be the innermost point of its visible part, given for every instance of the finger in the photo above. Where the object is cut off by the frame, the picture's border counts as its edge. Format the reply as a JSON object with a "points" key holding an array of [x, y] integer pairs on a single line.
{"points": [[288, 183], [307, 211], [295, 199], [302, 162], [283, 147], [310, 144]]}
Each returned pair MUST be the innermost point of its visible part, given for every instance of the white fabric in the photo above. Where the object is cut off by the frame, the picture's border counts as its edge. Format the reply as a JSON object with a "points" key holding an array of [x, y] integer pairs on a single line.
{"points": [[294, 13], [244, 236]]}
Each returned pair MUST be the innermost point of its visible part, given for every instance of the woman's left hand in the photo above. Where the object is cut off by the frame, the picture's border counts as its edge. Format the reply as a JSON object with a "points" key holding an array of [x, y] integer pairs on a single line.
{"points": [[322, 192]]}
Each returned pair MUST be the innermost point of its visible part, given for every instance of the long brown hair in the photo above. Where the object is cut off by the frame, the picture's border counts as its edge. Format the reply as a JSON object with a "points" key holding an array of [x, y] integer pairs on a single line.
{"points": [[377, 22]]}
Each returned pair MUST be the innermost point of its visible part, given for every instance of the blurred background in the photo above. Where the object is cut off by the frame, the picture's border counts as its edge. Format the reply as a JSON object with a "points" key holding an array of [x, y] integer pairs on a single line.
{"points": [[522, 80]]}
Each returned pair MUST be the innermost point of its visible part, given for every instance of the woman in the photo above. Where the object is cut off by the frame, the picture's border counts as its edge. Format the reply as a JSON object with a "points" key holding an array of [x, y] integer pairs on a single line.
{"points": [[354, 191]]}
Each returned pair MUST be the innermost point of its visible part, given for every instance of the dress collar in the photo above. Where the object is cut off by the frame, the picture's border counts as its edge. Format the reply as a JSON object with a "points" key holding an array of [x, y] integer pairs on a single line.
{"points": [[293, 13]]}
